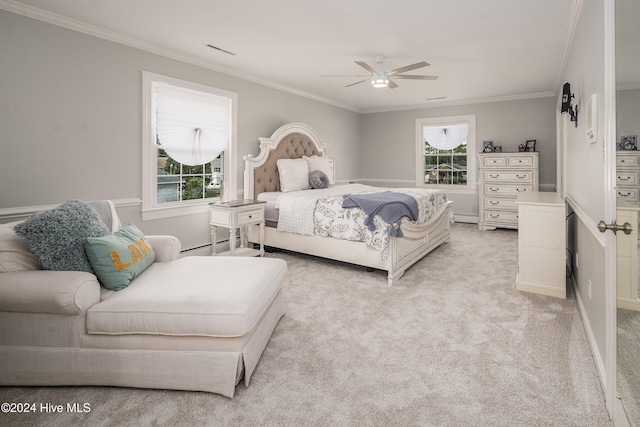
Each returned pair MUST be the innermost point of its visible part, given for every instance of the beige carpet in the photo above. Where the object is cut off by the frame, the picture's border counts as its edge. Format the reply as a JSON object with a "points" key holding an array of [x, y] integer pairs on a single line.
{"points": [[453, 344], [629, 362]]}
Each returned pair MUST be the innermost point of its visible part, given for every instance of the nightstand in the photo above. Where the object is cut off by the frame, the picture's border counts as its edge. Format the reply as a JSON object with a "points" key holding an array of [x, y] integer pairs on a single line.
{"points": [[233, 215]]}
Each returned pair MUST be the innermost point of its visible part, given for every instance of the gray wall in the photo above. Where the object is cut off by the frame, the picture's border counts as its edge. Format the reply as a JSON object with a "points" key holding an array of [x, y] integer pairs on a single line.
{"points": [[584, 172], [388, 139], [71, 120], [627, 113]]}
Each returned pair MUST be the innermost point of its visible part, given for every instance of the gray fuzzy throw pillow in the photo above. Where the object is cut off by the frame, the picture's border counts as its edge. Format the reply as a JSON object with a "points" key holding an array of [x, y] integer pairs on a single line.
{"points": [[318, 179], [57, 236]]}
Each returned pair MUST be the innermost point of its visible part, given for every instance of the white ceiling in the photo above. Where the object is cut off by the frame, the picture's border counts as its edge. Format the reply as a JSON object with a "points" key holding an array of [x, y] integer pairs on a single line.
{"points": [[480, 49]]}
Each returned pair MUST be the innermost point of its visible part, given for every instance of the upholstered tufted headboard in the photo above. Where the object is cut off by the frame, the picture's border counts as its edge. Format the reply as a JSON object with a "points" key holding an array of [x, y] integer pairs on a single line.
{"points": [[291, 141]]}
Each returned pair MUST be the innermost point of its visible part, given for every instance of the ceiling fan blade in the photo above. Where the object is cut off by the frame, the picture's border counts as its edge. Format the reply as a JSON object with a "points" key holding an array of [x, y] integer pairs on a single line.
{"points": [[366, 67], [408, 68], [353, 84], [405, 76], [392, 84], [344, 75]]}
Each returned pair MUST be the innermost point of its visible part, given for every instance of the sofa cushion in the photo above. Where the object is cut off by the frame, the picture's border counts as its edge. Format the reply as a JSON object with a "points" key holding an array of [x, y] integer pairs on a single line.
{"points": [[57, 236], [119, 258], [193, 296], [15, 254]]}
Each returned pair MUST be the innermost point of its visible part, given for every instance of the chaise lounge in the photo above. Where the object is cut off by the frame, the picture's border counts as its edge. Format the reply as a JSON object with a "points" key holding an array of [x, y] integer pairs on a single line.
{"points": [[192, 323]]}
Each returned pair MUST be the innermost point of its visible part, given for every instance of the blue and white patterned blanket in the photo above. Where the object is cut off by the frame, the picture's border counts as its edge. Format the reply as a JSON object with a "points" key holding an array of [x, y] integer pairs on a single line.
{"points": [[320, 212]]}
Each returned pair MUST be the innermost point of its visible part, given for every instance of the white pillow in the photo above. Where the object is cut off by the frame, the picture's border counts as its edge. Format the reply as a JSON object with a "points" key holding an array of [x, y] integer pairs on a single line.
{"points": [[294, 174], [317, 163]]}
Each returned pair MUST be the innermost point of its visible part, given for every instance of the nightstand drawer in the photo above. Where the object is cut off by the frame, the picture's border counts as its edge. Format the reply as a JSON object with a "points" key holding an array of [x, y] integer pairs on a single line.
{"points": [[250, 217], [510, 176]]}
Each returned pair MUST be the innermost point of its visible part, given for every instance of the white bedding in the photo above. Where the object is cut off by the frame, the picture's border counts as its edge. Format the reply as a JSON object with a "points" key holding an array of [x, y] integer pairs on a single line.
{"points": [[296, 208], [270, 211], [320, 212]]}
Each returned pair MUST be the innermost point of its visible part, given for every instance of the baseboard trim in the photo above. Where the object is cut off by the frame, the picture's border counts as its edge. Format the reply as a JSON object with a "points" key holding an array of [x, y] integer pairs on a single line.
{"points": [[602, 374], [466, 218]]}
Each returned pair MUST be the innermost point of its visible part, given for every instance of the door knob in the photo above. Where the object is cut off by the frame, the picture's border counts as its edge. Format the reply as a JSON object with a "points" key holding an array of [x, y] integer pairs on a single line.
{"points": [[626, 227]]}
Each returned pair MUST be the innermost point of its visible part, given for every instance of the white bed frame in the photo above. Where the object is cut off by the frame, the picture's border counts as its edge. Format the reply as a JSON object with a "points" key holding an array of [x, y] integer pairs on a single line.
{"points": [[418, 240]]}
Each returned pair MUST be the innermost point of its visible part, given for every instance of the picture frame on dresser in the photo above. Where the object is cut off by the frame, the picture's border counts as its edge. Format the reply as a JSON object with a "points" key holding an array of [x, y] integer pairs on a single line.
{"points": [[628, 143], [530, 145], [487, 146]]}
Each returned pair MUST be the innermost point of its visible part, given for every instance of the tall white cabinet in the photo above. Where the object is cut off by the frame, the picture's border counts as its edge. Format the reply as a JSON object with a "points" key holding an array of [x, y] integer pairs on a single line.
{"points": [[628, 176], [542, 244], [627, 257], [504, 176]]}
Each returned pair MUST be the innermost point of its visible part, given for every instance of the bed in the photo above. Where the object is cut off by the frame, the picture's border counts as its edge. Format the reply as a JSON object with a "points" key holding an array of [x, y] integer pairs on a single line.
{"points": [[390, 253]]}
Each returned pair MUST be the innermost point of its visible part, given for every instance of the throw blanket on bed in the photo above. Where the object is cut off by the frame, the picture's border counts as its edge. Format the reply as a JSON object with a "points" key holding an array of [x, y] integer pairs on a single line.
{"points": [[390, 206]]}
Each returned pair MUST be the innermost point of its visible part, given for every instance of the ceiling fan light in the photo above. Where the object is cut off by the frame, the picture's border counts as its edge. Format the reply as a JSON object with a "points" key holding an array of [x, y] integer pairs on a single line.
{"points": [[380, 81]]}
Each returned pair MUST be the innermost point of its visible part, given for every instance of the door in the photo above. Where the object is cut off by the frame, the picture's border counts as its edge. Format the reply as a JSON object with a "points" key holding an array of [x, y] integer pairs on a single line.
{"points": [[587, 181]]}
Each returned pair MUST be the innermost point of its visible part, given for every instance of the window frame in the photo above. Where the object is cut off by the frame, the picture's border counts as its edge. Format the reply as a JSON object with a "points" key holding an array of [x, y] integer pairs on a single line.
{"points": [[471, 186], [151, 209]]}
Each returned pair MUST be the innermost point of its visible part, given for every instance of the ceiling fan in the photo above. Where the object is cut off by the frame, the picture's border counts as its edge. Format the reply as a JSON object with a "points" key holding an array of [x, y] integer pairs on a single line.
{"points": [[381, 78]]}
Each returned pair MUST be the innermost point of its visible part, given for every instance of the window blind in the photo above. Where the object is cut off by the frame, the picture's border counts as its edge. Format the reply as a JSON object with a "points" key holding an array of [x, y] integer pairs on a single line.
{"points": [[193, 127], [446, 137]]}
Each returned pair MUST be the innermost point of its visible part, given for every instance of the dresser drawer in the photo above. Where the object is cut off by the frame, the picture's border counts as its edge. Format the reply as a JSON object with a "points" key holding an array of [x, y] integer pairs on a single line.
{"points": [[508, 176], [629, 194], [501, 216], [627, 177], [627, 160], [506, 189], [521, 161], [493, 161], [500, 203]]}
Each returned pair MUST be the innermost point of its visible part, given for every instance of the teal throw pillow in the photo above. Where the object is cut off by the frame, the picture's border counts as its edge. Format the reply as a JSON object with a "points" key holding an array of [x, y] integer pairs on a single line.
{"points": [[120, 257]]}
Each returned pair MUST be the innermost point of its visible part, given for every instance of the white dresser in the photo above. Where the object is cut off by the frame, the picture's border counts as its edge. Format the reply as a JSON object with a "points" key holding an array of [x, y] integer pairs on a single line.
{"points": [[627, 257], [542, 244], [503, 176], [628, 175]]}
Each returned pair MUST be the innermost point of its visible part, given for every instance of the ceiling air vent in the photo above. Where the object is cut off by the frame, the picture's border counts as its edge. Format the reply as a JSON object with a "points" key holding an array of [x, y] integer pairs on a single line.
{"points": [[221, 50]]}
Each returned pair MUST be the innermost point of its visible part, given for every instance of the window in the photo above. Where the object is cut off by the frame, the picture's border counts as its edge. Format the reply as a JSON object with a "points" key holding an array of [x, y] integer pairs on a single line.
{"points": [[188, 146], [445, 153]]}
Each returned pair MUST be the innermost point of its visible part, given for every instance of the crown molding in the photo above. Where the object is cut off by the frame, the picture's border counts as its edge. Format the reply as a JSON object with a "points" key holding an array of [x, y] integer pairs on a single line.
{"points": [[505, 98], [574, 17], [112, 36], [115, 37]]}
